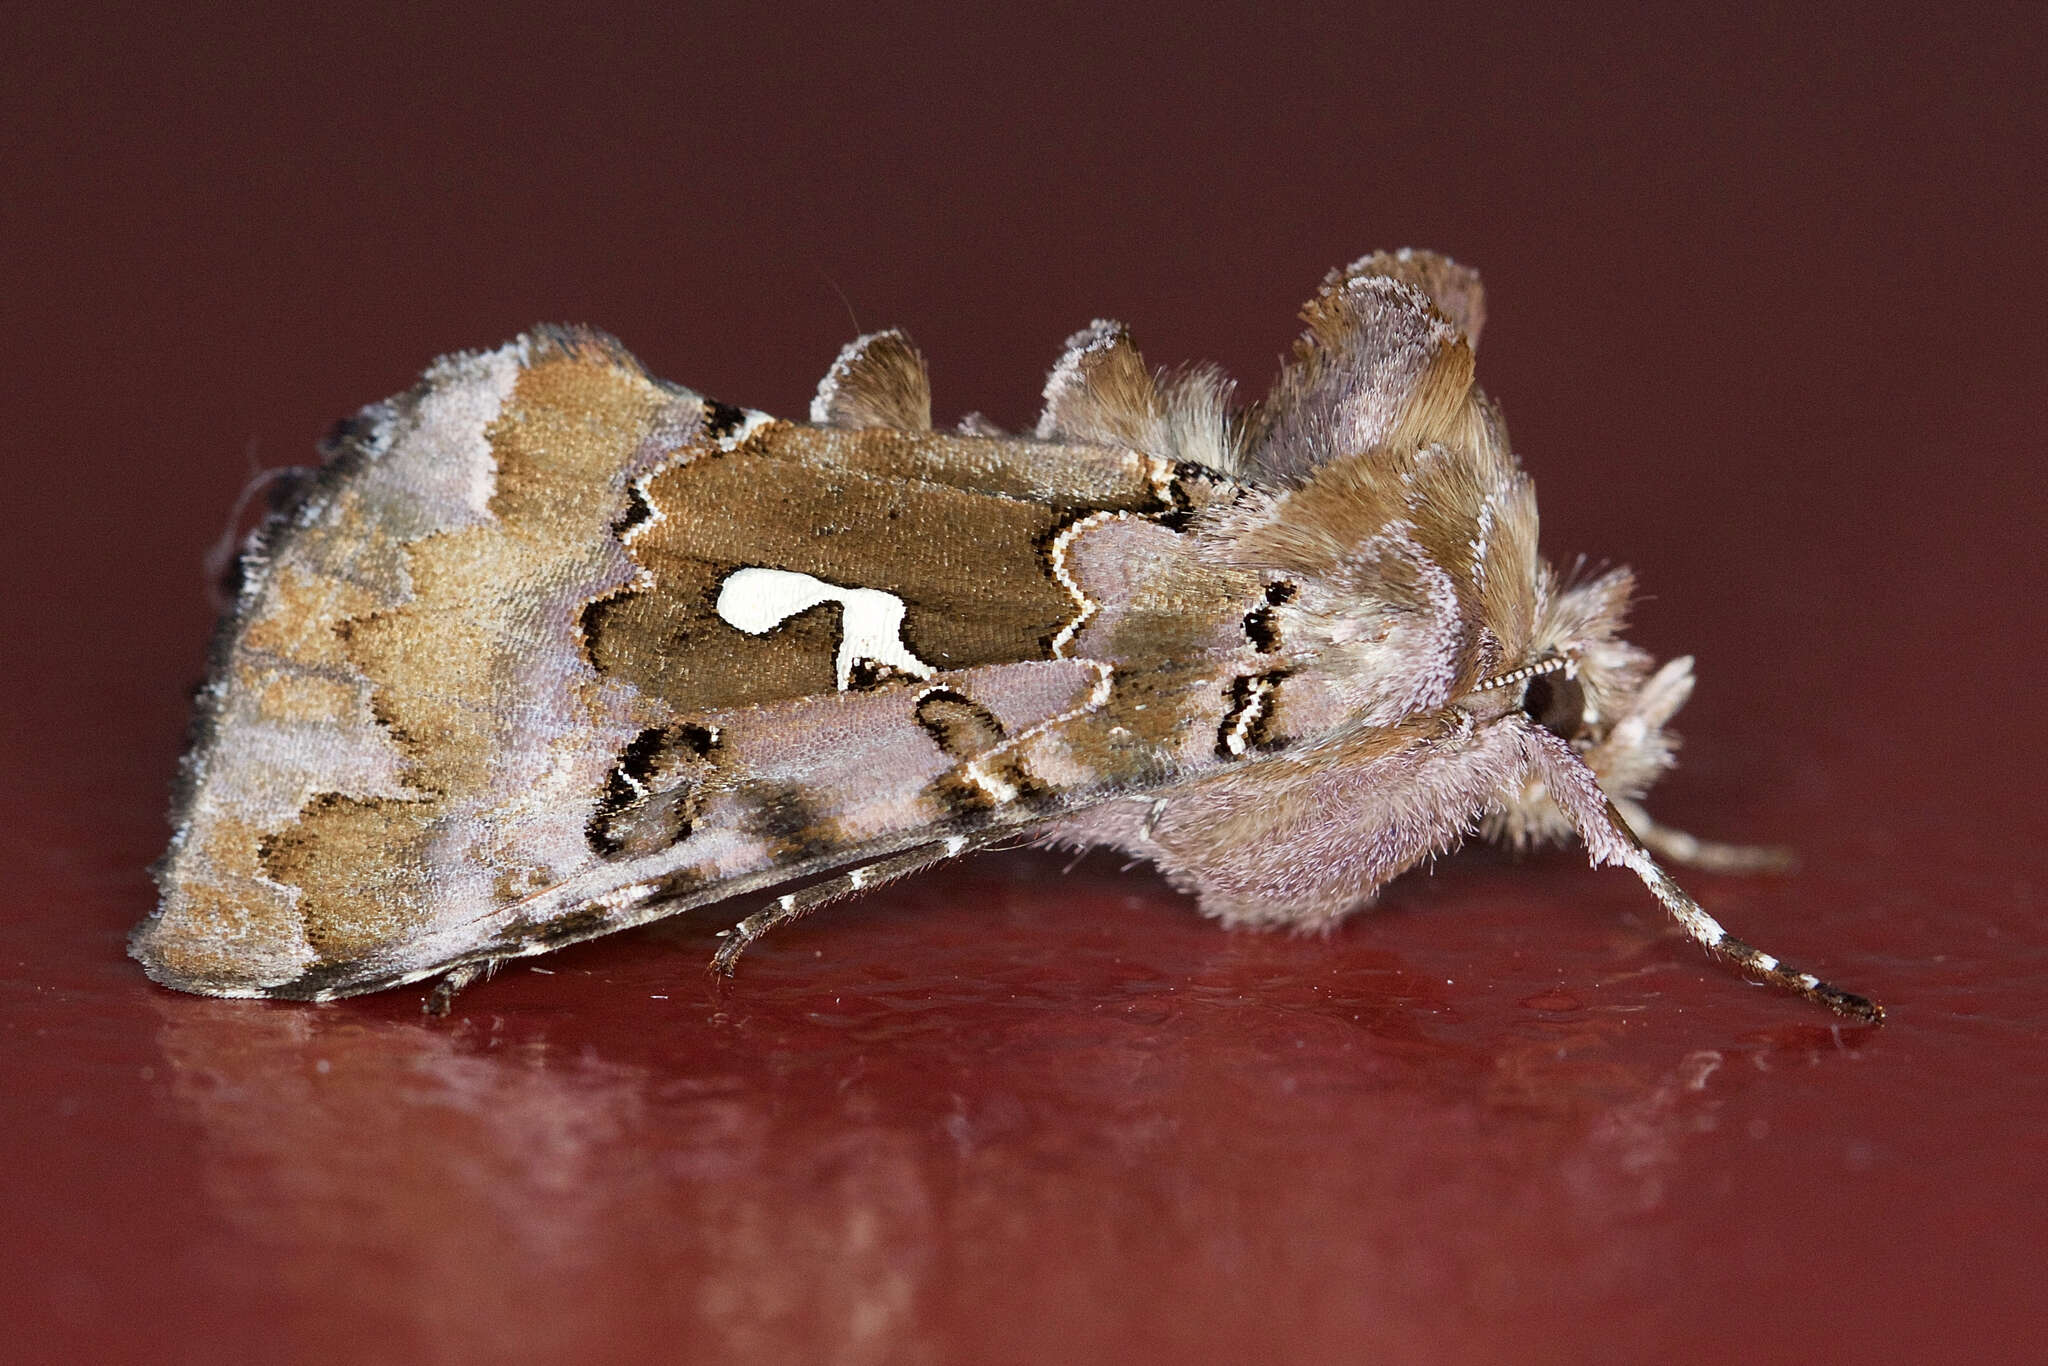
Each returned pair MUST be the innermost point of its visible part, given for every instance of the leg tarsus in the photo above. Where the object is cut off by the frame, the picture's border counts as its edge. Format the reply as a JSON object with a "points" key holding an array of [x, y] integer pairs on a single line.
{"points": [[726, 960], [1766, 966], [1708, 934], [794, 906], [1709, 856], [1609, 839], [442, 998]]}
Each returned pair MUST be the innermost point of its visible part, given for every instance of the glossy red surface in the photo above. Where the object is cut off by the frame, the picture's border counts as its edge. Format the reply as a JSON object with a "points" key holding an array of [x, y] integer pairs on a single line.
{"points": [[1766, 320]]}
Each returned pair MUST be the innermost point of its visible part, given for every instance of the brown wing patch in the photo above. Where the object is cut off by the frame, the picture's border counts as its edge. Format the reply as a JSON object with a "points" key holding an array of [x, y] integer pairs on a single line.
{"points": [[966, 567], [326, 854], [1058, 475]]}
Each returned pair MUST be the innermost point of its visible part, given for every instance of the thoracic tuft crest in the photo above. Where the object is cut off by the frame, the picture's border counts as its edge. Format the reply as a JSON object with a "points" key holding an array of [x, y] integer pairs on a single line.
{"points": [[551, 648]]}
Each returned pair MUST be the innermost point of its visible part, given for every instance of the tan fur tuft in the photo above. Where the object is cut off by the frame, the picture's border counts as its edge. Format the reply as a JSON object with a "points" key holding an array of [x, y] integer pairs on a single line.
{"points": [[878, 380], [1454, 289], [1378, 366], [1101, 394]]}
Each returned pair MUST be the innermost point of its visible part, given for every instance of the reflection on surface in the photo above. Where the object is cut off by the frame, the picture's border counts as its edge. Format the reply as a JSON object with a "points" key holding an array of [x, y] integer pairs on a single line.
{"points": [[435, 1183], [1159, 1129]]}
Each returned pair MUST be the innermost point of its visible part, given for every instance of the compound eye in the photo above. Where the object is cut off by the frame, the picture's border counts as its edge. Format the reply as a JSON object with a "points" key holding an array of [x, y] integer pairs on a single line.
{"points": [[1557, 703]]}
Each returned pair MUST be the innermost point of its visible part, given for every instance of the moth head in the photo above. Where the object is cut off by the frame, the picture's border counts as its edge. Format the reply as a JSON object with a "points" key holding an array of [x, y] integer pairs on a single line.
{"points": [[1599, 694]]}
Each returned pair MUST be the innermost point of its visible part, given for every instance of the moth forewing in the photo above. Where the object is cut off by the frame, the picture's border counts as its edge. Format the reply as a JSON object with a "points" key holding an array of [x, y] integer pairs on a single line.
{"points": [[550, 648]]}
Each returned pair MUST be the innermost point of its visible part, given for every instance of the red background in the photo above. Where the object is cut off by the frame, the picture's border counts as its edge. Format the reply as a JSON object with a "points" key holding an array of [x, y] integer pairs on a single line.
{"points": [[1767, 321]]}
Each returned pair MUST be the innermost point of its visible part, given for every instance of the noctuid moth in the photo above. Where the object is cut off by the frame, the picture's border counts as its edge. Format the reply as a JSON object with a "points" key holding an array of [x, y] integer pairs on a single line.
{"points": [[550, 647]]}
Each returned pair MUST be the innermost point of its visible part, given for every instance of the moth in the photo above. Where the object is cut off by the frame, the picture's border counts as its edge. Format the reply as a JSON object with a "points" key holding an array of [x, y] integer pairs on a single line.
{"points": [[549, 647]]}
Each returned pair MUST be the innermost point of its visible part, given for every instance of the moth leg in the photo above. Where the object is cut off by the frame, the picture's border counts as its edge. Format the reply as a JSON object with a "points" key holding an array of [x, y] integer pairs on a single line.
{"points": [[794, 906], [442, 998], [1710, 856], [1708, 934]]}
